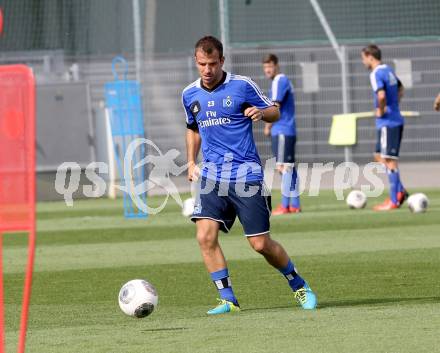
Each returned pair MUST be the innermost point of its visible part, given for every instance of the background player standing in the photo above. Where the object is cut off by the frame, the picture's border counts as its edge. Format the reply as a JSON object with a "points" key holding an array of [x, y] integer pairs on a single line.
{"points": [[220, 108], [283, 134], [388, 91]]}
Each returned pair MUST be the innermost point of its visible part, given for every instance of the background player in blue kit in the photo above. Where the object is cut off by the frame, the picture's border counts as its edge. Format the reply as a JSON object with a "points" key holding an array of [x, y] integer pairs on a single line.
{"points": [[388, 91], [283, 134], [220, 108]]}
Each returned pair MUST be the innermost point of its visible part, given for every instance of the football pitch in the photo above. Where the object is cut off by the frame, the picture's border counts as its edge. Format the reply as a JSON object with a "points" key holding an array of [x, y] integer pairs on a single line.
{"points": [[377, 276]]}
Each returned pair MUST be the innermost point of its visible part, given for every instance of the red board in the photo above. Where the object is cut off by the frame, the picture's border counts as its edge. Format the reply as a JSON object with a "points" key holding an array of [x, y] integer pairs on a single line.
{"points": [[17, 148]]}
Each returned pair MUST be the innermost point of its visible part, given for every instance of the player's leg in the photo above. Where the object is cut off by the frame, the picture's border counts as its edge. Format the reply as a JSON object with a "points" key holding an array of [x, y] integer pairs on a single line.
{"points": [[289, 159], [398, 193], [278, 149], [378, 147], [392, 163], [379, 159], [390, 138], [212, 254], [211, 214], [207, 237], [393, 178], [277, 256], [289, 190], [254, 213], [295, 204]]}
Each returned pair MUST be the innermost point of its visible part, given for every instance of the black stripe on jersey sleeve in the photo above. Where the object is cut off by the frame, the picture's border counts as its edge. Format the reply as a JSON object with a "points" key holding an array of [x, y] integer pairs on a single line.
{"points": [[193, 126]]}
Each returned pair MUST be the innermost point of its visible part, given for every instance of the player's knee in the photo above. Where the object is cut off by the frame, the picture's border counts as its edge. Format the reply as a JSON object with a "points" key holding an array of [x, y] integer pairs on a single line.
{"points": [[260, 244], [378, 158], [206, 238], [391, 163], [288, 167]]}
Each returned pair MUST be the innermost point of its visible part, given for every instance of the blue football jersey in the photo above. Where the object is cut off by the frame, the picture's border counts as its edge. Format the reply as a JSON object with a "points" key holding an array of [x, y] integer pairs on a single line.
{"points": [[228, 147], [384, 78], [282, 92]]}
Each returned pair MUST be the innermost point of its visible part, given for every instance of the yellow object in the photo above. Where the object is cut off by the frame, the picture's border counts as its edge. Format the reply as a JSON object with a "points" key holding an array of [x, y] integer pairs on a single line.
{"points": [[343, 129]]}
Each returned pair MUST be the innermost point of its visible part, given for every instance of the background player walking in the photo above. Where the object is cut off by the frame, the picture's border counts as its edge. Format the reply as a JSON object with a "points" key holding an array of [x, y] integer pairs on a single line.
{"points": [[283, 134], [220, 108], [388, 90]]}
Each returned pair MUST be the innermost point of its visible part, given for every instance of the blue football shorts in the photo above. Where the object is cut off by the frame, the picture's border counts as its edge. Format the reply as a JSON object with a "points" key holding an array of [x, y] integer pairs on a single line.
{"points": [[283, 148], [223, 202], [388, 141]]}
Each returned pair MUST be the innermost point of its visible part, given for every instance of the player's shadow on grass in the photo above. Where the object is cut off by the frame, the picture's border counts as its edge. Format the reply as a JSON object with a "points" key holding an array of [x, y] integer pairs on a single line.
{"points": [[166, 329], [357, 302], [377, 301]]}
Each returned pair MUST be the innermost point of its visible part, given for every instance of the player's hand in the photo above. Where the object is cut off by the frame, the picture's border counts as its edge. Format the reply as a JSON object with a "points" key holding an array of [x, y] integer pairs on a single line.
{"points": [[254, 113], [437, 103], [267, 129], [380, 113], [193, 171]]}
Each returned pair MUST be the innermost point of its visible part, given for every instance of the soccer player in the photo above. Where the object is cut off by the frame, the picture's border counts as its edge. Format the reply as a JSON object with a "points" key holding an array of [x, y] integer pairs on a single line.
{"points": [[388, 90], [283, 134], [220, 108]]}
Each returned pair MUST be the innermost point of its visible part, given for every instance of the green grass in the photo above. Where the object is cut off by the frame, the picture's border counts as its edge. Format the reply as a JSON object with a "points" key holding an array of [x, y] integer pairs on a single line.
{"points": [[376, 274]]}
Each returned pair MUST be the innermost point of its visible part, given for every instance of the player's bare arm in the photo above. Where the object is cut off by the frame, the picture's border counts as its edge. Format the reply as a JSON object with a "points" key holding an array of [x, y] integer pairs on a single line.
{"points": [[193, 142], [269, 114], [382, 103], [267, 128], [437, 103]]}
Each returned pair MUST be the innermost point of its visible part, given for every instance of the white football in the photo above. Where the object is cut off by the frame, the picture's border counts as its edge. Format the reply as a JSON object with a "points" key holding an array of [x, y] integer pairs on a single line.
{"points": [[356, 199], [418, 203], [188, 207], [138, 298]]}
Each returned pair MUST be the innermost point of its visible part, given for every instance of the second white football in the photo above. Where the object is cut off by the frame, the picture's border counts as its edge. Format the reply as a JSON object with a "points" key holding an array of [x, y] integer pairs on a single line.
{"points": [[356, 199], [418, 203]]}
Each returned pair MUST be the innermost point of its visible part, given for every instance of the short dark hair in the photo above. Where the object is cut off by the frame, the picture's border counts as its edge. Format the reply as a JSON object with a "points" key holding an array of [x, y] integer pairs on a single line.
{"points": [[270, 58], [208, 44], [372, 50]]}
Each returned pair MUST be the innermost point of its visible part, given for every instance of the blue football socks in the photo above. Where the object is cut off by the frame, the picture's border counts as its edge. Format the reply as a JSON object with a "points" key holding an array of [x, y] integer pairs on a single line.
{"points": [[286, 181], [223, 284], [289, 189], [400, 187], [295, 280], [393, 177], [294, 200]]}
